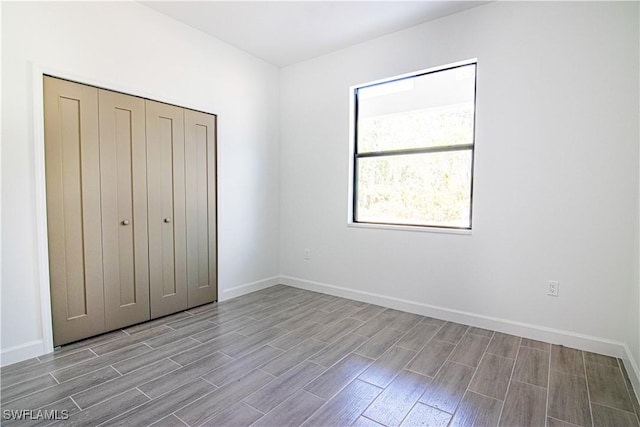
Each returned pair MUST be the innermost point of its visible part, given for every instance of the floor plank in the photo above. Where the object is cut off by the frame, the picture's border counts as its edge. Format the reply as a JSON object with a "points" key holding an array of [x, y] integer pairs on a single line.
{"points": [[237, 415], [418, 336], [532, 367], [429, 360], [451, 332], [339, 349], [292, 412], [470, 349], [28, 387], [297, 336], [118, 385], [607, 386], [159, 408], [606, 416], [568, 399], [156, 355], [292, 357], [504, 345], [382, 371], [567, 360], [423, 415], [164, 383], [60, 391], [379, 343], [108, 409], [525, 406], [365, 422], [10, 376], [538, 345], [492, 377], [368, 312], [340, 374], [345, 407], [280, 389], [237, 368], [395, 402], [477, 410], [210, 403], [448, 387]]}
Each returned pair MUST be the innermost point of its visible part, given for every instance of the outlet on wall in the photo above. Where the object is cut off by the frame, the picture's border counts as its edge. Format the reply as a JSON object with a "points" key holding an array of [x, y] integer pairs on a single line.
{"points": [[554, 287], [307, 254]]}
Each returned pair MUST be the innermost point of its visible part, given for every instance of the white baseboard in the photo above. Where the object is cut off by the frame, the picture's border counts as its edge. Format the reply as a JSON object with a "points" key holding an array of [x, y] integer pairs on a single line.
{"points": [[240, 290], [21, 352], [541, 333]]}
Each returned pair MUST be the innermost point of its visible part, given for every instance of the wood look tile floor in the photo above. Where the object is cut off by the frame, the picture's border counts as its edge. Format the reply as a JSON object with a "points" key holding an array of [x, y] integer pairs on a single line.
{"points": [[289, 357]]}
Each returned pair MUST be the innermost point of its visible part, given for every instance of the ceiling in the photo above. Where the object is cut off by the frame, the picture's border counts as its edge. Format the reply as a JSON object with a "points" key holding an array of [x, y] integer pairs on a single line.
{"points": [[286, 32]]}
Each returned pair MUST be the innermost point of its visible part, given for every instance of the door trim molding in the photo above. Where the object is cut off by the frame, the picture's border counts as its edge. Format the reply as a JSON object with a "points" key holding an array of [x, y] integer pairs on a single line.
{"points": [[42, 240]]}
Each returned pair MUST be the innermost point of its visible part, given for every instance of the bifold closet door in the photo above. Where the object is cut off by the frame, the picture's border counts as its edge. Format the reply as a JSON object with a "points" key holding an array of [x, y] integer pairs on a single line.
{"points": [[72, 163], [166, 195], [124, 209], [200, 160]]}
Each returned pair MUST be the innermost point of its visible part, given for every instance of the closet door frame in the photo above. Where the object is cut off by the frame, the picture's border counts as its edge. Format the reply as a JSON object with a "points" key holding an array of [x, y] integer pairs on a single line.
{"points": [[39, 71]]}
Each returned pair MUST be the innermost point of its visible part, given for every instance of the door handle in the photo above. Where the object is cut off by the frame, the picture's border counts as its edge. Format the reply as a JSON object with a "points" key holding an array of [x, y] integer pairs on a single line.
{"points": [[167, 220], [125, 222]]}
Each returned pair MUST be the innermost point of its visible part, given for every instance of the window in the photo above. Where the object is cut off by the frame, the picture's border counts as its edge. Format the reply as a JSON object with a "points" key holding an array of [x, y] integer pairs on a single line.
{"points": [[414, 147]]}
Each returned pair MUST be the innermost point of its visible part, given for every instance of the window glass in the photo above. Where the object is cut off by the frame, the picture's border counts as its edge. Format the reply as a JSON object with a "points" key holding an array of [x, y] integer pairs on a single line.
{"points": [[414, 149]]}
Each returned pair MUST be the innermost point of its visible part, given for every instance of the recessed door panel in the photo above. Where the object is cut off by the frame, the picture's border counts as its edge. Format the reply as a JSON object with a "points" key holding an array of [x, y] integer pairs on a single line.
{"points": [[165, 145], [166, 195], [73, 209], [200, 160], [124, 209]]}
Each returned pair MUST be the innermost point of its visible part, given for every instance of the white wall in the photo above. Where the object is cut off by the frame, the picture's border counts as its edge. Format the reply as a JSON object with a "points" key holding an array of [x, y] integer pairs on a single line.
{"points": [[556, 175], [633, 328], [633, 321], [128, 47]]}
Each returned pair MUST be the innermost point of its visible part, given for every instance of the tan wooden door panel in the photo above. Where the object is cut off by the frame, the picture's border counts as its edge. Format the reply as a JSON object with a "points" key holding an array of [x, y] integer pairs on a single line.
{"points": [[200, 161], [73, 209], [166, 195], [124, 209]]}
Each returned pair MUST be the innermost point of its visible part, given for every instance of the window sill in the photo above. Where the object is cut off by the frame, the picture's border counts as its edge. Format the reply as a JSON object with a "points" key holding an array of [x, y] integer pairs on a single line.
{"points": [[410, 228]]}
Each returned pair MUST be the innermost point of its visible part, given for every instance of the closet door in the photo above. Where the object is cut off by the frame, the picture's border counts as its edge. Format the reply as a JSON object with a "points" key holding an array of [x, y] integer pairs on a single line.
{"points": [[166, 195], [200, 161], [124, 209], [73, 209]]}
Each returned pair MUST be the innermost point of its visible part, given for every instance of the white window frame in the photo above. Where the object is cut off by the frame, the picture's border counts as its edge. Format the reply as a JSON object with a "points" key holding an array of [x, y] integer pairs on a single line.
{"points": [[352, 161]]}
